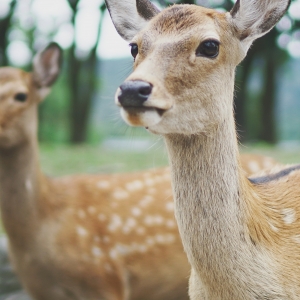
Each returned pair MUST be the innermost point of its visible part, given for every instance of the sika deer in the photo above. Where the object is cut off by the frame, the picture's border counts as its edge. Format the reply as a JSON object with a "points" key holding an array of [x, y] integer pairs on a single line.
{"points": [[110, 237], [88, 237], [242, 237]]}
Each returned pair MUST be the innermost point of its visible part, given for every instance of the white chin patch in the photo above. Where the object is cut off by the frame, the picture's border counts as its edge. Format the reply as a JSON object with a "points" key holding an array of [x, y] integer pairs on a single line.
{"points": [[145, 118]]}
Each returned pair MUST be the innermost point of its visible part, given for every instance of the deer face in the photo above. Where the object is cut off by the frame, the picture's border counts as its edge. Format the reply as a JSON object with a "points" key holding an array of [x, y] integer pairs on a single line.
{"points": [[16, 99], [185, 59], [20, 94], [184, 63]]}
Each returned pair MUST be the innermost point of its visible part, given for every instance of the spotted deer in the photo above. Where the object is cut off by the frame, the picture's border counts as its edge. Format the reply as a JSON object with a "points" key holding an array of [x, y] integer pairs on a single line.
{"points": [[241, 236], [110, 237]]}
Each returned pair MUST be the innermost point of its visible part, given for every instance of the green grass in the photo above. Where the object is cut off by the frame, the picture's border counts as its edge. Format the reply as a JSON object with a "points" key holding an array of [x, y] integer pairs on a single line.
{"points": [[57, 160], [283, 155], [62, 159]]}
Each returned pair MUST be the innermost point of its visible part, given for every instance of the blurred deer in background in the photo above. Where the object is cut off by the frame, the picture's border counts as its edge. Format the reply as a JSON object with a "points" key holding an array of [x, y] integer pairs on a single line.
{"points": [[81, 237], [87, 236], [241, 236]]}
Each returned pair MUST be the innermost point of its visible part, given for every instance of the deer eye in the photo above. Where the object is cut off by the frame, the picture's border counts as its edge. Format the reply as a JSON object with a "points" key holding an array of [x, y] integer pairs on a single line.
{"points": [[134, 50], [208, 48], [20, 97]]}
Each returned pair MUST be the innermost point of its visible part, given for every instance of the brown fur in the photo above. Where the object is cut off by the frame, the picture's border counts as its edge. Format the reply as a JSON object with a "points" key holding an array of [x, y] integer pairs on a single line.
{"points": [[86, 236], [241, 239]]}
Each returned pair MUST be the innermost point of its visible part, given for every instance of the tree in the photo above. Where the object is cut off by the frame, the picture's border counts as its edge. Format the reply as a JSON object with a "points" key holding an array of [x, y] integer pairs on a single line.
{"points": [[82, 83], [4, 28]]}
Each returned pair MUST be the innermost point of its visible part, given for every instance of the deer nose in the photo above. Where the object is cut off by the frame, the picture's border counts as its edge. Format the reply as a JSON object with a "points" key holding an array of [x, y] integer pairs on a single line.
{"points": [[134, 93]]}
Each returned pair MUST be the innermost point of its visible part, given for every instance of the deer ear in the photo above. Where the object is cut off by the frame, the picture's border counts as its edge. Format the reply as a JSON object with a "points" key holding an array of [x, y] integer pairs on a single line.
{"points": [[254, 18], [47, 66], [130, 16]]}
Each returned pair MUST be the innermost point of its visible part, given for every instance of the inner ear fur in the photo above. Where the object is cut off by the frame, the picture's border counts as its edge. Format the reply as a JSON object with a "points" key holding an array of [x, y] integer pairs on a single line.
{"points": [[254, 18], [130, 16], [47, 65]]}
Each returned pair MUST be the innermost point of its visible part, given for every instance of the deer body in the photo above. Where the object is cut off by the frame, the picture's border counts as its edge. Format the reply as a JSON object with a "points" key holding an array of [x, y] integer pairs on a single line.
{"points": [[240, 235], [110, 237], [85, 237]]}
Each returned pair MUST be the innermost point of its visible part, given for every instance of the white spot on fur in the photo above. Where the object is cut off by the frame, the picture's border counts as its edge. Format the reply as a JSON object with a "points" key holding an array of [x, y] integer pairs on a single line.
{"points": [[142, 248], [140, 230], [91, 210], [170, 223], [136, 211], [167, 176], [297, 239], [275, 229], [113, 253], [152, 191], [158, 220], [115, 223], [129, 225], [149, 182], [288, 215], [134, 186], [149, 220], [106, 239], [97, 252], [120, 194], [81, 214], [102, 217], [81, 231], [253, 166], [170, 206], [150, 241], [103, 184], [169, 238], [268, 162], [28, 185], [160, 238], [146, 201]]}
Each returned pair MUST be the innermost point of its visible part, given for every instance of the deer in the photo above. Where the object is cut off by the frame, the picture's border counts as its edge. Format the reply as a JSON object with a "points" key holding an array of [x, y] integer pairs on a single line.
{"points": [[241, 236], [110, 237]]}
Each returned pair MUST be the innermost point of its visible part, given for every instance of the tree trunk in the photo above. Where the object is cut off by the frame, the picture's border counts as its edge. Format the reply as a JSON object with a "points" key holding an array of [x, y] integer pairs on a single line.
{"points": [[4, 27], [83, 86]]}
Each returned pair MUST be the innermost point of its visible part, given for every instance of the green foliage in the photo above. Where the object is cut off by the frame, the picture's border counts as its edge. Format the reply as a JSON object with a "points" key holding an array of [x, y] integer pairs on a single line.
{"points": [[53, 114]]}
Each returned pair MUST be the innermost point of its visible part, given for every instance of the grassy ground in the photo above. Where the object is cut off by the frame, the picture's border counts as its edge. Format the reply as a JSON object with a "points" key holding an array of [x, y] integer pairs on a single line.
{"points": [[284, 155], [61, 159]]}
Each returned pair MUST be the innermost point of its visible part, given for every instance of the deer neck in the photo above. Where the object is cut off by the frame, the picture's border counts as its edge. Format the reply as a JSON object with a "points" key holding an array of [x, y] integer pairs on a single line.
{"points": [[208, 206], [19, 190]]}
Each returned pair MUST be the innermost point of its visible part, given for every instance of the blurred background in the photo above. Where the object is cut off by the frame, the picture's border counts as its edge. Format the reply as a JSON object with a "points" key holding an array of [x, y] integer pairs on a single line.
{"points": [[80, 127], [79, 119]]}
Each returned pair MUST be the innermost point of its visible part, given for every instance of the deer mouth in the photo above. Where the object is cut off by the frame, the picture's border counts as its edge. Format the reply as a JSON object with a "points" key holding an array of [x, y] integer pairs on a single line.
{"points": [[142, 116], [143, 109]]}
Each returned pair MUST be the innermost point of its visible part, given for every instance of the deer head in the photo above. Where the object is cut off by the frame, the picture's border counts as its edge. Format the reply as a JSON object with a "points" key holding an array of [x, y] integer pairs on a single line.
{"points": [[185, 59], [21, 92]]}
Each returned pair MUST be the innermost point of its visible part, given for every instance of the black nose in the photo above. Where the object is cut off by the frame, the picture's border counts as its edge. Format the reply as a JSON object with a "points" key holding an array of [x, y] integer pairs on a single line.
{"points": [[134, 93]]}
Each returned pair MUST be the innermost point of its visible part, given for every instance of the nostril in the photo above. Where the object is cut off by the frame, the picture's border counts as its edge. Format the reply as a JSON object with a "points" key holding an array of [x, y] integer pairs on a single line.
{"points": [[145, 90]]}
